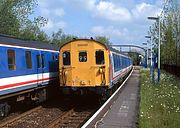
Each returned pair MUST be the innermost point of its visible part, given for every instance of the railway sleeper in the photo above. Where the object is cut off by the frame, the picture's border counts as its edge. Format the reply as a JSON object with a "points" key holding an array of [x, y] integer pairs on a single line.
{"points": [[75, 121], [79, 118], [69, 126]]}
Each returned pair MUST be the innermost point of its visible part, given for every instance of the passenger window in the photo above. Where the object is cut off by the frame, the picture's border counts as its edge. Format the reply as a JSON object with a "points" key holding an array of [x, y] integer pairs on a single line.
{"points": [[57, 57], [99, 57], [11, 60], [38, 60], [82, 56], [66, 58], [43, 61], [53, 58], [28, 59]]}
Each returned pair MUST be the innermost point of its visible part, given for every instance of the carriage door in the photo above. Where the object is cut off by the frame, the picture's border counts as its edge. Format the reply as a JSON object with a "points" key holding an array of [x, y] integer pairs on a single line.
{"points": [[100, 67], [40, 68]]}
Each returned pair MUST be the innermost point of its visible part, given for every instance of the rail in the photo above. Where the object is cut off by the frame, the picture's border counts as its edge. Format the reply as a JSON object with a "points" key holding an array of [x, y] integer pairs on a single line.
{"points": [[4, 124], [72, 118]]}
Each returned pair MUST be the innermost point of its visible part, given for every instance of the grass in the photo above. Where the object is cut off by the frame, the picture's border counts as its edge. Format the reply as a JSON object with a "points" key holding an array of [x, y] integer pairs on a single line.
{"points": [[159, 102]]}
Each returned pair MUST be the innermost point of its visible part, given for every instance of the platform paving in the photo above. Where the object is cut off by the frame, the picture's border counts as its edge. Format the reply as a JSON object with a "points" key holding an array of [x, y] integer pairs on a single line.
{"points": [[124, 111]]}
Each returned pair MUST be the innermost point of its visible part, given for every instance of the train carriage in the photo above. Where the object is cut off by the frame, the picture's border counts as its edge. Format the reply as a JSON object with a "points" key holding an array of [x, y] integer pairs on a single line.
{"points": [[89, 65], [26, 69]]}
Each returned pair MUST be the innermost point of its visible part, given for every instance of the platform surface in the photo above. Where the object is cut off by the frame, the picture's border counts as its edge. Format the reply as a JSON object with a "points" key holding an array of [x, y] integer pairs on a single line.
{"points": [[124, 111]]}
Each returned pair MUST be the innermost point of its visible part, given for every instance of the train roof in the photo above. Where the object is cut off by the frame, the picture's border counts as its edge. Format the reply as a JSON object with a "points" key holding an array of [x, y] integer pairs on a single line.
{"points": [[117, 51], [9, 40], [107, 46], [85, 40]]}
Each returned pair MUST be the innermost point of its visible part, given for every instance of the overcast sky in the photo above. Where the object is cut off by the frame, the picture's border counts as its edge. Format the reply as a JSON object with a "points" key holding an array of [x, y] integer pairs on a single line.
{"points": [[122, 21]]}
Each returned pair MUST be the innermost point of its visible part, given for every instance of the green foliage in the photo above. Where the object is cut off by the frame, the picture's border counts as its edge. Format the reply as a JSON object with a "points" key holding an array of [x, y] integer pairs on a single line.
{"points": [[14, 20], [168, 48], [9, 23], [23, 9], [170, 33], [103, 39], [60, 38], [159, 103], [33, 32], [135, 57]]}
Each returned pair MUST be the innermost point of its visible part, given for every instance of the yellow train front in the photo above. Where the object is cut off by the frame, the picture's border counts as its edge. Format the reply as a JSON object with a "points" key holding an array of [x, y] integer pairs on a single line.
{"points": [[86, 66]]}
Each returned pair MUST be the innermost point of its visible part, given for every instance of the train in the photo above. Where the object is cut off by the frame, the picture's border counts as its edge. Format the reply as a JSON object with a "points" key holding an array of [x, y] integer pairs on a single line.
{"points": [[89, 66], [27, 69]]}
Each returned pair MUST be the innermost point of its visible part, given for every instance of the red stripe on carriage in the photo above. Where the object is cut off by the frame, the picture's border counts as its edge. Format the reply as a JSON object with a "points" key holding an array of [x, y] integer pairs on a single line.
{"points": [[23, 83], [120, 73]]}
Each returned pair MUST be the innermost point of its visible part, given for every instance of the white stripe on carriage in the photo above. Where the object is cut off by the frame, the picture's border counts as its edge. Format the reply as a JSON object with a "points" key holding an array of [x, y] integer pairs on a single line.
{"points": [[24, 47], [24, 78]]}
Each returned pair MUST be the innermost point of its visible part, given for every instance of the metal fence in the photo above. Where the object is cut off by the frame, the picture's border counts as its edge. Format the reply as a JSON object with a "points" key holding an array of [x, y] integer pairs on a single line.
{"points": [[173, 69]]}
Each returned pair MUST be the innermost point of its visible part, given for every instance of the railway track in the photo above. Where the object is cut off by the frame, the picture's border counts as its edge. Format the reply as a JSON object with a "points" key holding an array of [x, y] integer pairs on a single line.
{"points": [[71, 119], [9, 122], [65, 114]]}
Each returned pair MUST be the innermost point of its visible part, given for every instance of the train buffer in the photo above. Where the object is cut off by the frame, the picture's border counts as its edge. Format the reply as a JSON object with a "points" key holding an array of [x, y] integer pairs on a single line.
{"points": [[123, 112]]}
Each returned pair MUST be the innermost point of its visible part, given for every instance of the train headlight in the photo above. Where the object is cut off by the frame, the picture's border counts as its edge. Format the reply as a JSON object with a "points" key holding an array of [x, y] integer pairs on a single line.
{"points": [[65, 73], [100, 70]]}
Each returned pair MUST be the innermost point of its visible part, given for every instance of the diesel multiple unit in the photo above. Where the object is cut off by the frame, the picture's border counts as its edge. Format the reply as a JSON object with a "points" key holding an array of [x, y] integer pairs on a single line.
{"points": [[89, 65], [26, 68]]}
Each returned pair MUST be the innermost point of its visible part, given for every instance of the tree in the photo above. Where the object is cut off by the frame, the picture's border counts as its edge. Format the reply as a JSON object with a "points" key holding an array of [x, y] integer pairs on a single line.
{"points": [[9, 23], [170, 33], [135, 57], [60, 38], [32, 30], [103, 39], [14, 20], [23, 9]]}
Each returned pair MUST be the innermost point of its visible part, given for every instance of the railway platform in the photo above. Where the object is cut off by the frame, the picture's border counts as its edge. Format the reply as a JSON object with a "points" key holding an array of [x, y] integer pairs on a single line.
{"points": [[124, 111]]}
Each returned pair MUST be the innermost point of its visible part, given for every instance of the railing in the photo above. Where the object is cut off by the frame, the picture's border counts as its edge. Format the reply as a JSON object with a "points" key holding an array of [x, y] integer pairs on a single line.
{"points": [[173, 69]]}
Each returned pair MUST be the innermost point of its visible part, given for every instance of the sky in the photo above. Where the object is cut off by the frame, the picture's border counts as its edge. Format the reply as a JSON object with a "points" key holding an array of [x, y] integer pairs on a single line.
{"points": [[122, 21]]}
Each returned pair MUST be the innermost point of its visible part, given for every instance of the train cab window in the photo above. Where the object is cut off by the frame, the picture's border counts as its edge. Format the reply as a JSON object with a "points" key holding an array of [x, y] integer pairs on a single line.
{"points": [[28, 59], [82, 56], [99, 57], [11, 60], [38, 58], [66, 58]]}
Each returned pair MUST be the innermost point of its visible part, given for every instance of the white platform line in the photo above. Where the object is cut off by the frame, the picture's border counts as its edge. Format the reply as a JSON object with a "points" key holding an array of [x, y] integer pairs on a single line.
{"points": [[97, 113]]}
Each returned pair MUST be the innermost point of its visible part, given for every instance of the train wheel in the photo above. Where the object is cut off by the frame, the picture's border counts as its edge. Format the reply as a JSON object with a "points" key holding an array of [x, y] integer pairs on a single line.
{"points": [[110, 92], [103, 97], [4, 109], [100, 100]]}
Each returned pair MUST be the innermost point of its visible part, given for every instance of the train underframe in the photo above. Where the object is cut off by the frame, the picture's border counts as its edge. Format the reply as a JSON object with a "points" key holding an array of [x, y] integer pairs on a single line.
{"points": [[102, 91], [26, 97]]}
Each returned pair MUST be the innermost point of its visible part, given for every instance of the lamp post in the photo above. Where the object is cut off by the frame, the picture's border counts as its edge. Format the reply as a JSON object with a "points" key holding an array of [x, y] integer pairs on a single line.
{"points": [[146, 54], [151, 52], [158, 20]]}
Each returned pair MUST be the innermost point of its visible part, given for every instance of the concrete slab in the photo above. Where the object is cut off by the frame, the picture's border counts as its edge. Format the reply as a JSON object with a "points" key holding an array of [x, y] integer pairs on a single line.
{"points": [[124, 112]]}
